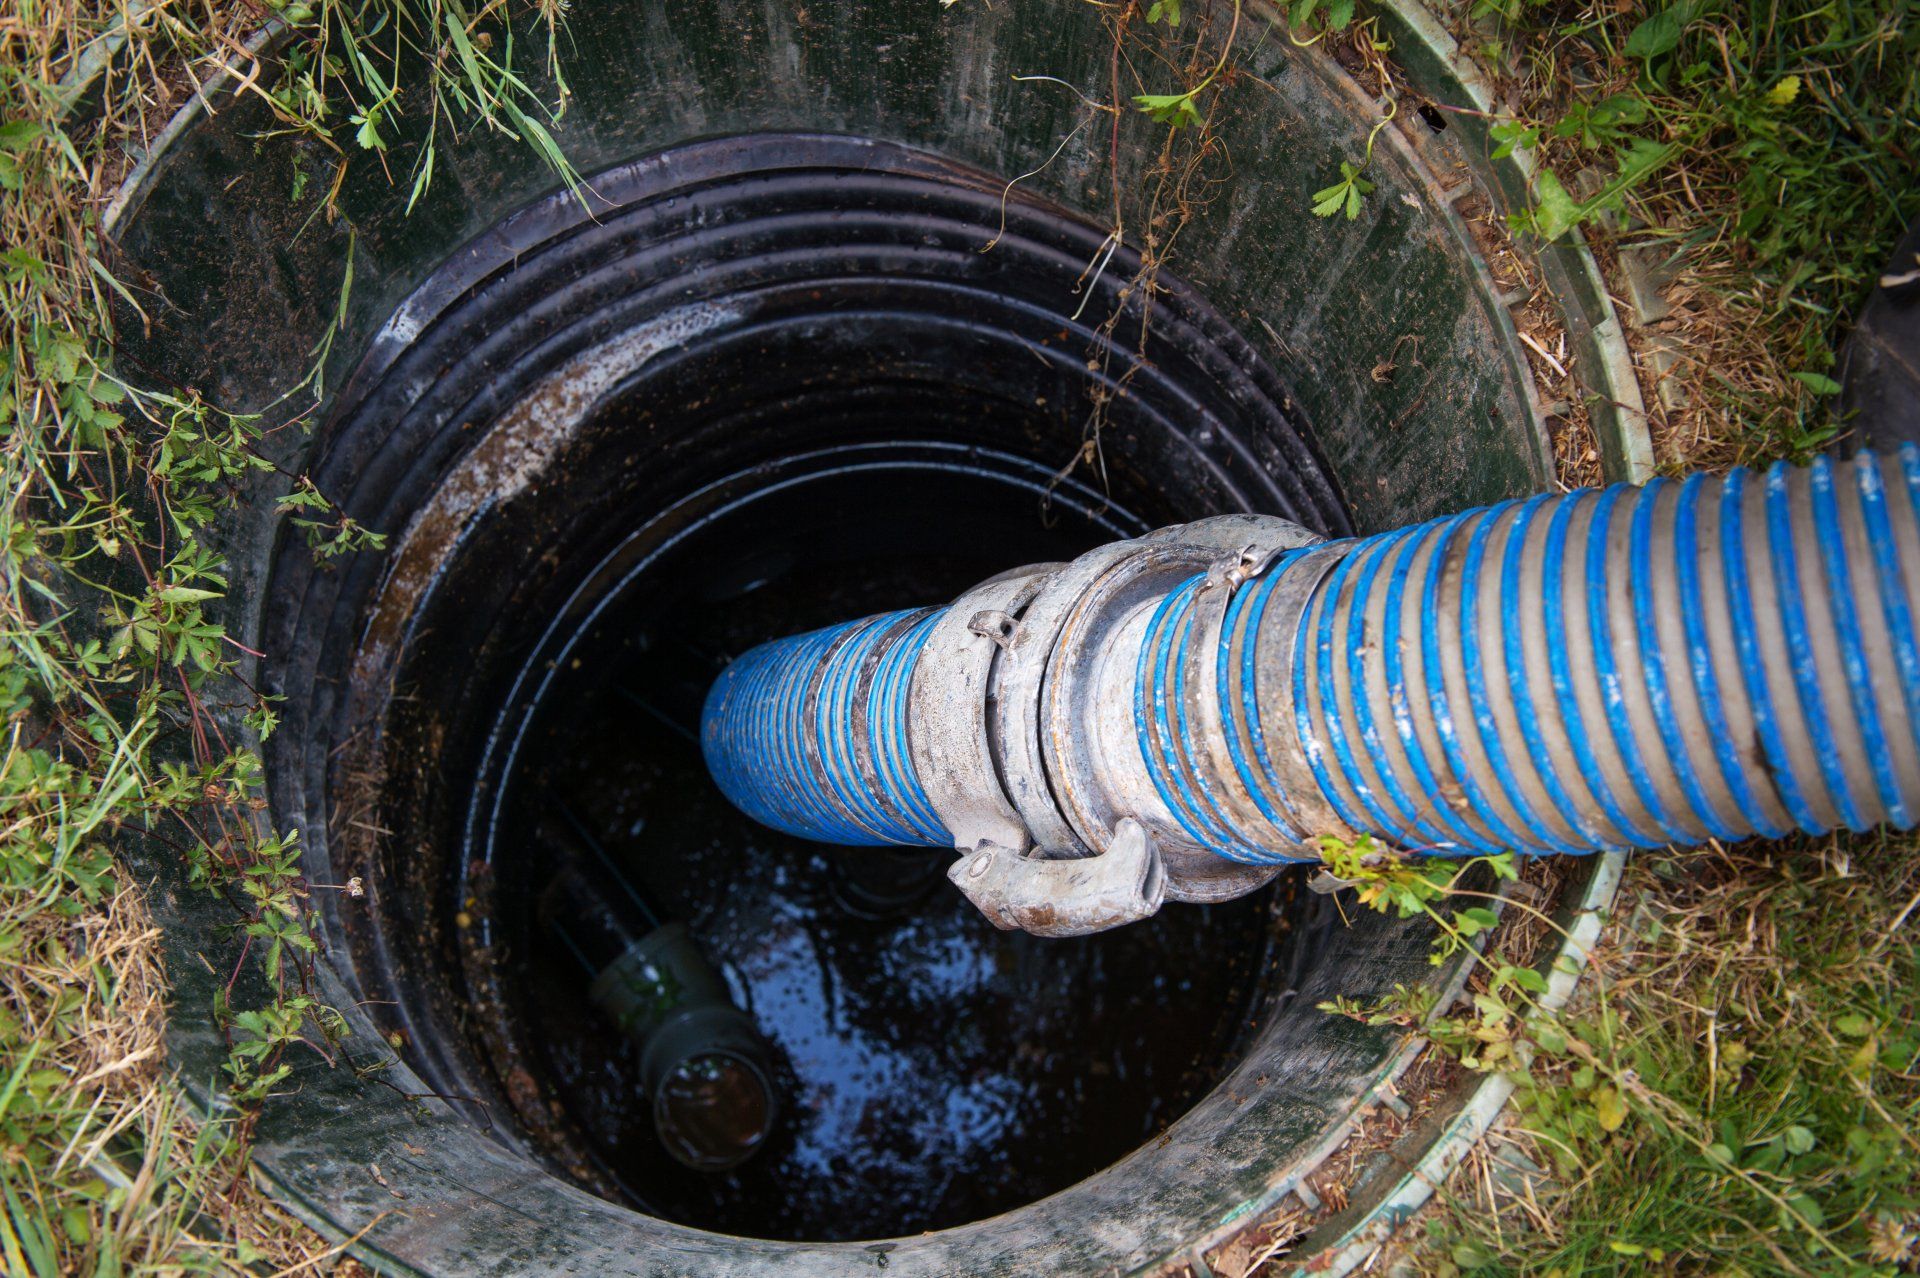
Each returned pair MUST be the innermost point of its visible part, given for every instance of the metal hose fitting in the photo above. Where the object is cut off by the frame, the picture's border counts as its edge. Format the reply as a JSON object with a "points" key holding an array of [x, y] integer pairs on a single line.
{"points": [[1180, 714]]}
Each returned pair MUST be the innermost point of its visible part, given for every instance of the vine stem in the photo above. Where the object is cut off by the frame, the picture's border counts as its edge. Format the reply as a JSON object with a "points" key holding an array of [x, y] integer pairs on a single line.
{"points": [[1226, 52], [1113, 155]]}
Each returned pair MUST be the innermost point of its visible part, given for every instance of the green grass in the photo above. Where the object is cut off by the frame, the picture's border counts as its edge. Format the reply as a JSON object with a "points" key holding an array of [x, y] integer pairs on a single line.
{"points": [[1735, 1091], [110, 610], [1738, 1089], [1772, 146]]}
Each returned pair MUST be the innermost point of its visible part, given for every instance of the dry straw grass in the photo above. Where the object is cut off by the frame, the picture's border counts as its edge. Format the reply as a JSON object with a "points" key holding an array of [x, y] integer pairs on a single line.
{"points": [[103, 1167], [122, 1177], [1758, 989]]}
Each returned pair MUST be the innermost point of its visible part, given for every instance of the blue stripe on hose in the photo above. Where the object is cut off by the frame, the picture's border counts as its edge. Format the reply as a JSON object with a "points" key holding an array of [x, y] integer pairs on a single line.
{"points": [[810, 718], [1910, 468], [1196, 812], [1437, 681], [1143, 677], [1806, 674], [1706, 679], [1554, 579], [893, 800], [1846, 624], [793, 675], [1653, 660], [1612, 696], [890, 804], [833, 719], [719, 732], [1236, 709], [756, 722], [1245, 847], [886, 716], [1155, 731], [1892, 589], [764, 739], [906, 776], [1177, 745], [1367, 554], [1733, 560], [758, 730], [773, 719], [828, 714], [762, 723], [794, 719], [1513, 648], [806, 720], [1455, 838], [1406, 828], [1234, 844], [1310, 747], [1153, 646], [1249, 686], [723, 729], [1473, 660]]}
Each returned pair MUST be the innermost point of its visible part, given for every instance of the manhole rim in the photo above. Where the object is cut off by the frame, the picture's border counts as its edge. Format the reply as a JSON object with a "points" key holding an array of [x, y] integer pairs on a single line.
{"points": [[1626, 443]]}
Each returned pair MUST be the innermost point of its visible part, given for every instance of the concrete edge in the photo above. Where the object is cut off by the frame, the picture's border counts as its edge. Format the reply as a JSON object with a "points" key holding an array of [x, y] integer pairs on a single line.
{"points": [[1592, 321], [1483, 1107]]}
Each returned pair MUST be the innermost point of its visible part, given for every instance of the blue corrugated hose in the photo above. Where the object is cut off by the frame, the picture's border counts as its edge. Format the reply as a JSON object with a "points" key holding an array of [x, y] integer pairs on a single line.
{"points": [[809, 734], [1629, 667]]}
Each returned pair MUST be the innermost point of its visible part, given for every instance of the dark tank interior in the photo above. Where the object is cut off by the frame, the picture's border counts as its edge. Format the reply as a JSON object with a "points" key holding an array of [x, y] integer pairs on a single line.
{"points": [[775, 385], [929, 1069]]}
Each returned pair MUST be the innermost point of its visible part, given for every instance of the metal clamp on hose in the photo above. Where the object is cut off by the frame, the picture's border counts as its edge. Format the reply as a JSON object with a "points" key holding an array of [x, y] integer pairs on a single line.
{"points": [[1070, 897]]}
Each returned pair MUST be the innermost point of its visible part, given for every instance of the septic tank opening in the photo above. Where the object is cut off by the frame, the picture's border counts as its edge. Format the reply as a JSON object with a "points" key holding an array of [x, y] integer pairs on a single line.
{"points": [[725, 411], [543, 399]]}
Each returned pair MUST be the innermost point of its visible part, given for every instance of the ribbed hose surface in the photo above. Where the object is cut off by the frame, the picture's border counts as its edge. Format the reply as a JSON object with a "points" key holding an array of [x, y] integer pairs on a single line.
{"points": [[1716, 658], [809, 734], [1627, 667]]}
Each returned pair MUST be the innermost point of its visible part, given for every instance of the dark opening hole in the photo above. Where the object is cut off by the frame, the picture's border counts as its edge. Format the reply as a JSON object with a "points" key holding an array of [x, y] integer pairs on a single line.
{"points": [[930, 1069], [1436, 119], [776, 384]]}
